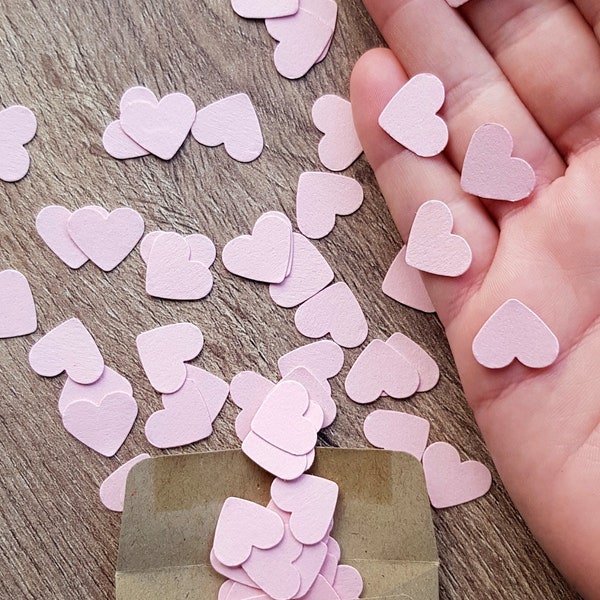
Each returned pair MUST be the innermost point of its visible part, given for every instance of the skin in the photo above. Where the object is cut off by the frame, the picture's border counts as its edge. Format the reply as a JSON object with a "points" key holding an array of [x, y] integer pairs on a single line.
{"points": [[534, 67]]}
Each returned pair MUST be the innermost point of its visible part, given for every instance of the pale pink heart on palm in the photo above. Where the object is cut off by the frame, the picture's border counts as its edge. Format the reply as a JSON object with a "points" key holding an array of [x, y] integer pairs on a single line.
{"points": [[451, 482], [164, 351], [51, 224], [401, 432], [317, 392], [432, 247], [404, 284], [202, 249], [236, 574], [322, 196], [232, 122], [309, 274], [106, 239], [17, 308], [339, 146], [105, 426], [110, 381], [184, 420], [265, 9], [160, 126], [242, 526], [324, 359], [119, 145], [410, 116], [429, 372], [333, 311], [264, 255], [214, 389], [348, 583], [311, 501], [172, 275], [17, 127], [379, 368], [490, 170], [514, 331], [68, 347], [112, 490], [309, 564]]}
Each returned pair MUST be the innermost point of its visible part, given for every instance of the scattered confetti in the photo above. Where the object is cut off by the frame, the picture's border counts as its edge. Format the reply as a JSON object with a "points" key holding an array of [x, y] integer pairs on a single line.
{"points": [[324, 359], [112, 490], [17, 308], [265, 9], [429, 372], [17, 128]]}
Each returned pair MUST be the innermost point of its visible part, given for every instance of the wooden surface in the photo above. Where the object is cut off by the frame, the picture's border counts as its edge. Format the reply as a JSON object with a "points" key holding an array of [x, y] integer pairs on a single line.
{"points": [[70, 62]]}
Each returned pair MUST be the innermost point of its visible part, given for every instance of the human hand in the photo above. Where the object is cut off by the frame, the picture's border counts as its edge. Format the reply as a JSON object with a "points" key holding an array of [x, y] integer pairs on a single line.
{"points": [[534, 67]]}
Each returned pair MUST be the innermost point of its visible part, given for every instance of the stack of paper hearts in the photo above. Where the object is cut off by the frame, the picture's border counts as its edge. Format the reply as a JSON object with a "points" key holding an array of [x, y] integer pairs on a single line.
{"points": [[284, 550]]}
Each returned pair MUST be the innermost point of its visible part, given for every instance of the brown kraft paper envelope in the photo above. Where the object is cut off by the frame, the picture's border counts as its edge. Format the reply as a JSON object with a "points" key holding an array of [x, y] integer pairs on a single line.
{"points": [[382, 522]]}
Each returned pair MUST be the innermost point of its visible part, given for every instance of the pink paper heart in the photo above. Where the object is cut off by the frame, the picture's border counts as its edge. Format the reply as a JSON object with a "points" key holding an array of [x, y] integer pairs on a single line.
{"points": [[432, 247], [317, 393], [51, 224], [172, 275], [232, 122], [17, 127], [225, 589], [348, 583], [329, 568], [410, 116], [429, 372], [379, 368], [397, 431], [160, 126], [103, 427], [280, 419], [264, 255], [515, 331], [17, 308], [106, 239], [265, 9], [322, 196], [340, 145], [119, 145], [202, 249], [213, 389], [321, 590], [490, 171], [309, 564], [324, 359], [110, 381], [309, 274], [404, 284], [137, 93], [164, 351], [184, 420], [242, 526], [336, 311], [311, 501], [451, 482], [248, 390], [245, 592], [68, 347], [112, 490], [236, 574]]}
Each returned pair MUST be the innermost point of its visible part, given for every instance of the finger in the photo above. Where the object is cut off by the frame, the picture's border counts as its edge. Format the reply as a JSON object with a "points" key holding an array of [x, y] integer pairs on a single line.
{"points": [[590, 9], [407, 181], [429, 36], [552, 59]]}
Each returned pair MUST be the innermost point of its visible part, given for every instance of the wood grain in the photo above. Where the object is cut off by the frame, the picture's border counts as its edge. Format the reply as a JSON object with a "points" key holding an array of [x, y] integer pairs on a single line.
{"points": [[70, 62]]}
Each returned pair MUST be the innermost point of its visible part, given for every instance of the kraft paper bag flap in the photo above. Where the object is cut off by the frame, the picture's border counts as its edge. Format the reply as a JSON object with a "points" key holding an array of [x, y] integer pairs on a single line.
{"points": [[382, 522]]}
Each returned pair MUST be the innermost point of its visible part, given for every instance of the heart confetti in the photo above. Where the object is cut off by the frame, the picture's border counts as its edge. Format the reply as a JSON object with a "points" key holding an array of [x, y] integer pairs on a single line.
{"points": [[429, 372], [202, 249], [119, 145], [17, 127], [17, 308], [265, 9], [317, 393], [112, 490], [324, 359]]}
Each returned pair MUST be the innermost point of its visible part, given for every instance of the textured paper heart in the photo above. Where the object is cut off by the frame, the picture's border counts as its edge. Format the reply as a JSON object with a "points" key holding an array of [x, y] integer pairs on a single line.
{"points": [[322, 196], [321, 590], [490, 170], [17, 308], [106, 239], [432, 247], [244, 592], [213, 389], [378, 369], [105, 426], [68, 347], [232, 122], [160, 126], [404, 284], [163, 352], [515, 331], [311, 501], [336, 311], [244, 525], [429, 372], [339, 146], [265, 9], [202, 249], [348, 583], [451, 482], [51, 224], [110, 381], [410, 116], [236, 574], [17, 127], [324, 359], [248, 390], [309, 274], [309, 565], [112, 490], [397, 431], [172, 275], [317, 393], [264, 255], [137, 93], [119, 145], [184, 420]]}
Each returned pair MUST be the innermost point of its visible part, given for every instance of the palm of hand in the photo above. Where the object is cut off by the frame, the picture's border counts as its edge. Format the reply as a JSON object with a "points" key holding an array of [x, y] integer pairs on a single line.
{"points": [[542, 426]]}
